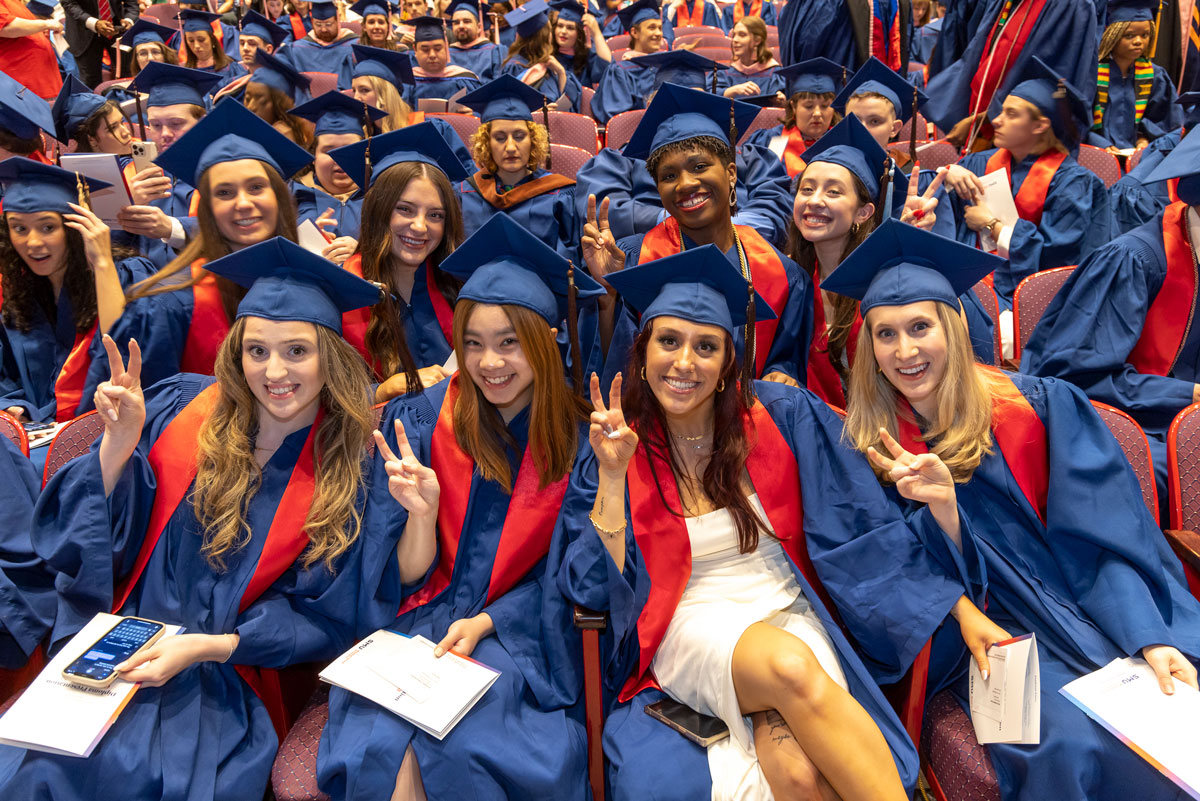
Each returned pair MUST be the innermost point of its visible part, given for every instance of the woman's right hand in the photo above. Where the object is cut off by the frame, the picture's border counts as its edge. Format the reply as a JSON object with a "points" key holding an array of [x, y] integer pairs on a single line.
{"points": [[412, 484], [600, 251], [964, 183], [978, 632], [612, 440], [149, 184], [119, 400]]}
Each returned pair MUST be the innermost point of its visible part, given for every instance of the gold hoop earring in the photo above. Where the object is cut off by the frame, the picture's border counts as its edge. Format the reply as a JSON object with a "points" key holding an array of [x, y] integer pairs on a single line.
{"points": [[878, 369], [721, 386], [643, 372], [854, 229]]}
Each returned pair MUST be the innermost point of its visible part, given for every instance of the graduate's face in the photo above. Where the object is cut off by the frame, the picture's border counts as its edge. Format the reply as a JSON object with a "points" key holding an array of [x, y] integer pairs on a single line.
{"points": [[827, 203], [325, 30], [147, 52], [249, 45], [282, 367], [694, 187], [510, 144], [464, 26], [243, 203], [878, 116], [199, 43], [302, 7], [1134, 41], [812, 114], [332, 177], [376, 27], [647, 36], [432, 55], [741, 43], [415, 8], [418, 222], [273, 9], [258, 99], [495, 360], [909, 343], [364, 91], [168, 123], [684, 361], [1015, 127], [113, 135], [40, 239]]}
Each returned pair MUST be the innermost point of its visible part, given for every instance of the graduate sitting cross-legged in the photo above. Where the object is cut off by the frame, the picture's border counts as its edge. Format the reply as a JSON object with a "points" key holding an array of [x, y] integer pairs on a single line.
{"points": [[231, 507], [465, 491], [1059, 541]]}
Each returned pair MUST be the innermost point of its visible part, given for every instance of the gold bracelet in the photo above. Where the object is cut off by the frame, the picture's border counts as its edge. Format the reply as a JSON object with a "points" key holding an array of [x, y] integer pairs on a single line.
{"points": [[609, 533]]}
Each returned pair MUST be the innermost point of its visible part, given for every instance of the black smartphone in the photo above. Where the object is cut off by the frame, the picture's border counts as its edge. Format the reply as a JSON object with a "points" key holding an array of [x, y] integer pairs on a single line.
{"points": [[98, 665], [704, 730]]}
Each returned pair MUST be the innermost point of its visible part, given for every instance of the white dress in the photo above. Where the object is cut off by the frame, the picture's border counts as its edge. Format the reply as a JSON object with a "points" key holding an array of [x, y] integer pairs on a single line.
{"points": [[728, 592]]}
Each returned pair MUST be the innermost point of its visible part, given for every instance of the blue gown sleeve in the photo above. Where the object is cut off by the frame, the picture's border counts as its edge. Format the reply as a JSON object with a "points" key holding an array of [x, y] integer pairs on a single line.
{"points": [[1134, 202], [980, 327], [633, 203], [1162, 114], [456, 144], [789, 350], [616, 92], [764, 193], [160, 325], [27, 598]]}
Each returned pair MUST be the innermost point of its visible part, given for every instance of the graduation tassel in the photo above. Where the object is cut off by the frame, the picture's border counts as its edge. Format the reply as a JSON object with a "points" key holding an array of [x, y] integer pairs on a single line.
{"points": [[884, 209], [81, 189], [912, 129], [367, 133], [137, 105], [1064, 110], [714, 81], [573, 329], [733, 131], [546, 120], [748, 359]]}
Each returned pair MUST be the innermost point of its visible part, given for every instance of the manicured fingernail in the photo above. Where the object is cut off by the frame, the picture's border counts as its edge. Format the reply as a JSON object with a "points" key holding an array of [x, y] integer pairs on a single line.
{"points": [[112, 416], [985, 674], [438, 651]]}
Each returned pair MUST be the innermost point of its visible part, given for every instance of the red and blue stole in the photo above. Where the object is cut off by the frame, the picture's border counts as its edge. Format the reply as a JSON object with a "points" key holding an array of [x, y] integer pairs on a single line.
{"points": [[1030, 200], [1170, 315], [209, 324], [885, 32], [1005, 42]]}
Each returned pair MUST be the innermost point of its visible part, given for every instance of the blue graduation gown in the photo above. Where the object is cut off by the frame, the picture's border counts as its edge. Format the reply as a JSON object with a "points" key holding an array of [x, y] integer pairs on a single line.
{"points": [[624, 87], [517, 66], [1134, 202], [1075, 221], [550, 216], [646, 758], [767, 13], [956, 29], [1095, 583], [521, 740], [1120, 128], [178, 205], [438, 88], [634, 207], [768, 82], [711, 16], [309, 55], [611, 26], [817, 28], [426, 341], [33, 359], [204, 734], [27, 596], [926, 39], [312, 202], [482, 59], [591, 73]]}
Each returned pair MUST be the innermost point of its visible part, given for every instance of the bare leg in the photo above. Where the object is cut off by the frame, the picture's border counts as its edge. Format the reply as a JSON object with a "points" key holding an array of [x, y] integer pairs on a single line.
{"points": [[789, 771], [776, 670], [408, 780]]}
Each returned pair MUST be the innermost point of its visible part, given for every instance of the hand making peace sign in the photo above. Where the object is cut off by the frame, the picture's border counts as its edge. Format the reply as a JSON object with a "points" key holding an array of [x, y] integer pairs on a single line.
{"points": [[119, 399], [612, 440], [919, 209], [412, 484], [923, 478], [600, 251]]}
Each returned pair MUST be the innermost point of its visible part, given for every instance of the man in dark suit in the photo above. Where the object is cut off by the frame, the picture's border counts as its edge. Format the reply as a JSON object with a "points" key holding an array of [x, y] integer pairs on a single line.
{"points": [[92, 27]]}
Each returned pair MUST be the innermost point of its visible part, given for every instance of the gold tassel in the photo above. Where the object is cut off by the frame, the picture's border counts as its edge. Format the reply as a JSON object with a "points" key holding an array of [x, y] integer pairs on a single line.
{"points": [[573, 329], [81, 189], [546, 121], [912, 129]]}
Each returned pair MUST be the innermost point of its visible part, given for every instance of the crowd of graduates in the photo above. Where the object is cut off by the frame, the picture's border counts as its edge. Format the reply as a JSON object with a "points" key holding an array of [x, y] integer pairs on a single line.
{"points": [[752, 398]]}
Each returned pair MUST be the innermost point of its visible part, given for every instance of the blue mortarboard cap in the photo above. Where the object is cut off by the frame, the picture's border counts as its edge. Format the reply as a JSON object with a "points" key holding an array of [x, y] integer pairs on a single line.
{"points": [[1183, 163], [1070, 115], [817, 75], [851, 145], [287, 282], [191, 20], [391, 66], [1131, 10], [322, 9], [22, 111], [145, 31], [900, 264], [877, 77], [463, 5], [212, 141], [635, 13], [504, 264], [39, 8], [422, 142], [169, 84], [428, 29], [336, 113], [363, 8], [505, 98], [761, 101], [681, 67], [31, 186], [698, 285], [255, 24], [1191, 109], [569, 10], [529, 18], [276, 73], [677, 113], [74, 104]]}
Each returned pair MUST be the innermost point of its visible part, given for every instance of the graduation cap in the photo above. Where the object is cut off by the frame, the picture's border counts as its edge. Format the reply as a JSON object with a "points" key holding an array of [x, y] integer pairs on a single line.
{"points": [[568, 11], [428, 29], [336, 113], [677, 113], [850, 145], [464, 5], [169, 84], [529, 18], [1191, 109], [41, 8], [422, 142], [1183, 163], [212, 141], [638, 12], [191, 20], [505, 98], [145, 32], [391, 66], [818, 76], [22, 111], [74, 104], [276, 73], [31, 186], [900, 264], [762, 101], [255, 24], [365, 7], [322, 9], [877, 78], [1132, 10], [1070, 114], [287, 282], [682, 67]]}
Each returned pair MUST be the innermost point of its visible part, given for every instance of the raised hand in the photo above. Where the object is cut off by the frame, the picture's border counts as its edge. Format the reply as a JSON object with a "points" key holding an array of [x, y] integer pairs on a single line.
{"points": [[119, 399], [340, 249], [97, 245], [600, 251], [412, 484], [612, 440], [149, 184], [923, 477], [919, 209]]}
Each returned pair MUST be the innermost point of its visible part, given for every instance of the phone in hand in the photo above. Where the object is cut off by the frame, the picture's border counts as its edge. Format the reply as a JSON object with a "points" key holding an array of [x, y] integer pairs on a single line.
{"points": [[704, 730], [98, 665], [144, 154]]}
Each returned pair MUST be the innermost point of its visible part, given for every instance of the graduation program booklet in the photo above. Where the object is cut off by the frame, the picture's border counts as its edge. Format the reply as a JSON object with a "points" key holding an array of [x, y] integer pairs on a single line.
{"points": [[106, 203], [997, 194], [59, 717], [401, 674], [1124, 697], [1007, 707]]}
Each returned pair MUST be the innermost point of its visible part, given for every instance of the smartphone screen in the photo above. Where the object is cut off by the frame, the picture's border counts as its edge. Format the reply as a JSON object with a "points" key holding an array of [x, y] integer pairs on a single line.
{"points": [[121, 642], [686, 720]]}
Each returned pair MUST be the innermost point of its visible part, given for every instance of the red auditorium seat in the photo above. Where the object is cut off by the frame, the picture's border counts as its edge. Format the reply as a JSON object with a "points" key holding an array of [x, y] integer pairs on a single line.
{"points": [[1033, 295]]}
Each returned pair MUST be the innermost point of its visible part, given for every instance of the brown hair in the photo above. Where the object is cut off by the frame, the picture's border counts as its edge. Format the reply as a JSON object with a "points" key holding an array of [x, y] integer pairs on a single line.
{"points": [[87, 130], [537, 49], [21, 147], [579, 61], [481, 147], [758, 35], [23, 290], [227, 477], [789, 111], [221, 59], [169, 57], [280, 104]]}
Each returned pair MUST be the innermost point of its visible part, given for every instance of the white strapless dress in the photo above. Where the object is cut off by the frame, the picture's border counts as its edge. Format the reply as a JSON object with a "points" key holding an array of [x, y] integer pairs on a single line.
{"points": [[727, 593]]}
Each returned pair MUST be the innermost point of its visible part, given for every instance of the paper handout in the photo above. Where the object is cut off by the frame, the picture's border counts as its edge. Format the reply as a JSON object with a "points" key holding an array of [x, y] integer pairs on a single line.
{"points": [[1007, 707], [106, 203], [997, 194]]}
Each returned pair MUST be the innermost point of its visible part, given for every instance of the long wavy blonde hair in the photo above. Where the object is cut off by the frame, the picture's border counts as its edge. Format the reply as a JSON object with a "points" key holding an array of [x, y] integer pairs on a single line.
{"points": [[961, 435], [227, 477], [388, 98]]}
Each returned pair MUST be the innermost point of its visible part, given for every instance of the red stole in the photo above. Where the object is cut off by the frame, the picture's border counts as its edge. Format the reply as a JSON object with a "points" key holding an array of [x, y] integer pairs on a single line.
{"points": [[532, 512], [1017, 431], [796, 145], [739, 11], [298, 29], [209, 323], [1170, 315], [1006, 49], [689, 19], [1031, 199], [766, 270], [68, 387], [173, 459], [662, 537], [885, 45], [416, 117], [823, 378], [441, 308]]}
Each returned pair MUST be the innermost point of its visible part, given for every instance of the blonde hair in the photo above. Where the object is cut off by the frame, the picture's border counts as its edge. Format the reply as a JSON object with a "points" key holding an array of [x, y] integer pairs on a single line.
{"points": [[961, 435], [481, 147], [389, 99], [227, 477], [758, 38], [1047, 140]]}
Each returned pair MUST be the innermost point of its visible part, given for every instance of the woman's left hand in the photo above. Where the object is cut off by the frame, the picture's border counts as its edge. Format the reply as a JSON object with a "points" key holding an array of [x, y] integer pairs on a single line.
{"points": [[340, 249], [1169, 665], [97, 243], [919, 210], [745, 89], [464, 634], [978, 216], [164, 660]]}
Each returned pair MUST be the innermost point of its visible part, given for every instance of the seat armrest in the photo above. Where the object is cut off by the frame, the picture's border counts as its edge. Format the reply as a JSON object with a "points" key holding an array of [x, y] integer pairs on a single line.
{"points": [[1186, 545]]}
